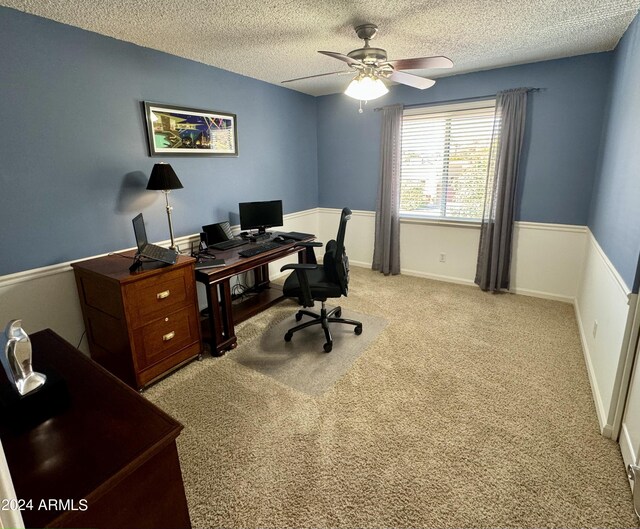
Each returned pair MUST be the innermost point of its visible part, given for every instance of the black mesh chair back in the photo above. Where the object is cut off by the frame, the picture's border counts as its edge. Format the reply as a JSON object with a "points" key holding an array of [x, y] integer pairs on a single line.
{"points": [[310, 283], [336, 261]]}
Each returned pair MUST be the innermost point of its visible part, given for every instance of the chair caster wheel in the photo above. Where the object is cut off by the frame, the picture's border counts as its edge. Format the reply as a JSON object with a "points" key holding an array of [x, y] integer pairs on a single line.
{"points": [[358, 329], [298, 316], [288, 336], [327, 347], [338, 313]]}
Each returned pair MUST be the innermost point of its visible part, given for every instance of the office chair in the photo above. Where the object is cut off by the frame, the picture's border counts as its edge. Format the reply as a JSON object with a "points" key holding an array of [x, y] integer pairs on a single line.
{"points": [[312, 282]]}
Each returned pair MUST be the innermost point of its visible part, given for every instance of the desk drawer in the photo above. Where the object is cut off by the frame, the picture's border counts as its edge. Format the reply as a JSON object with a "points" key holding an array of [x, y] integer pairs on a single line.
{"points": [[166, 336], [157, 296]]}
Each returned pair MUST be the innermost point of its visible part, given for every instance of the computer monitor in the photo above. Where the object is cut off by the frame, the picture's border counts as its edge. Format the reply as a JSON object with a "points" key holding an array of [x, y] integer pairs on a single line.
{"points": [[260, 215]]}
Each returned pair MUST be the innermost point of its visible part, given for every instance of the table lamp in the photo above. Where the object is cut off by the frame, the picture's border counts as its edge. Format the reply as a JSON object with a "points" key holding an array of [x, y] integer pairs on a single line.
{"points": [[163, 178]]}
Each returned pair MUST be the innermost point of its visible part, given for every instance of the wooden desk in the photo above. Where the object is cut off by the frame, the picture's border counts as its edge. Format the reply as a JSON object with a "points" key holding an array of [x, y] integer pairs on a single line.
{"points": [[219, 326], [110, 447]]}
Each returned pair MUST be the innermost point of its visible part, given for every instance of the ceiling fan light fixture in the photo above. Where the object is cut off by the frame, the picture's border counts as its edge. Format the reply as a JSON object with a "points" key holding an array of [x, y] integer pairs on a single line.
{"points": [[366, 88]]}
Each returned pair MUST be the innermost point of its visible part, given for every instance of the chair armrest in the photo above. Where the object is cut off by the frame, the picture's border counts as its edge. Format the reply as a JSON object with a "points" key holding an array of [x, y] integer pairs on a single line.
{"points": [[298, 266], [309, 254], [303, 280], [310, 244]]}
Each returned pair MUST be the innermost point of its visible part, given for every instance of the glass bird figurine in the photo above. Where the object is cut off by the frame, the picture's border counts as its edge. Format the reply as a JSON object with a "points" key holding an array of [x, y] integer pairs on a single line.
{"points": [[15, 352]]}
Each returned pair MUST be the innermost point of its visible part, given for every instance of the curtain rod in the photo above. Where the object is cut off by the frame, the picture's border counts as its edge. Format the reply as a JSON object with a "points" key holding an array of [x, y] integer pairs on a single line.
{"points": [[475, 98]]}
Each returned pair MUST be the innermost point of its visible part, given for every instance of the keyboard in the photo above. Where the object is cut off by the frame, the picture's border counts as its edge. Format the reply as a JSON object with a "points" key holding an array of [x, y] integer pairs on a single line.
{"points": [[226, 245], [158, 253], [265, 247]]}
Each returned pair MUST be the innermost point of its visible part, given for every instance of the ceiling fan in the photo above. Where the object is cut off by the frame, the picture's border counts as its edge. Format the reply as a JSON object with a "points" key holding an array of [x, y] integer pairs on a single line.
{"points": [[372, 66]]}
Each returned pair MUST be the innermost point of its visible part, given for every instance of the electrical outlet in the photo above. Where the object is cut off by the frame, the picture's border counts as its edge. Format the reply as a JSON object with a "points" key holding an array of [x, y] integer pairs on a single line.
{"points": [[595, 328], [443, 257]]}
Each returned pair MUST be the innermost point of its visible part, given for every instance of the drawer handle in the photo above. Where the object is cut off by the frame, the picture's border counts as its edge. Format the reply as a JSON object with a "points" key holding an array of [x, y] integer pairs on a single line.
{"points": [[168, 336], [164, 294]]}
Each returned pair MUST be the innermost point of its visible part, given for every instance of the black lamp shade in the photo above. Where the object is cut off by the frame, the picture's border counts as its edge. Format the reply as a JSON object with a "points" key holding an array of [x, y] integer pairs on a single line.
{"points": [[163, 177]]}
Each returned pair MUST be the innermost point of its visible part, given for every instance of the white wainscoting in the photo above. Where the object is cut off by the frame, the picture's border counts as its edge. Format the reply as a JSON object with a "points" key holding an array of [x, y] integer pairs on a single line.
{"points": [[604, 297], [547, 258], [551, 261]]}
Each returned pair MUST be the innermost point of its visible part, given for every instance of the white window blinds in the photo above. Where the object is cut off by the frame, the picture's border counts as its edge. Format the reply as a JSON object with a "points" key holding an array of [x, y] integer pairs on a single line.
{"points": [[445, 157]]}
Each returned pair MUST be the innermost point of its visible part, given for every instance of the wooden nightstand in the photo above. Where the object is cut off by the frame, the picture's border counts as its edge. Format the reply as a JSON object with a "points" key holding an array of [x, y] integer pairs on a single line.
{"points": [[140, 325]]}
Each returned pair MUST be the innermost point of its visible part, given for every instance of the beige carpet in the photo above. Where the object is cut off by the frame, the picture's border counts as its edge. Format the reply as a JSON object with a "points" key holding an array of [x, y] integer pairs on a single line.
{"points": [[469, 410], [302, 363]]}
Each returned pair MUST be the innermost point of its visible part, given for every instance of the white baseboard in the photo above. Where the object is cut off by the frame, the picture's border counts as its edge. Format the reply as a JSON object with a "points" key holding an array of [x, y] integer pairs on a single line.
{"points": [[418, 273], [438, 277], [629, 454], [543, 295]]}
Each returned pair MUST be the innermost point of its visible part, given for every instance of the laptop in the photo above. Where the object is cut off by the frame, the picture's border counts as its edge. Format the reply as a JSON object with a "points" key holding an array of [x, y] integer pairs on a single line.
{"points": [[152, 251], [220, 237], [297, 236]]}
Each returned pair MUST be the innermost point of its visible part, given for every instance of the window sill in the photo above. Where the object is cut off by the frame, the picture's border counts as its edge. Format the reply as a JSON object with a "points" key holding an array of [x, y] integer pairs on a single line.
{"points": [[406, 219]]}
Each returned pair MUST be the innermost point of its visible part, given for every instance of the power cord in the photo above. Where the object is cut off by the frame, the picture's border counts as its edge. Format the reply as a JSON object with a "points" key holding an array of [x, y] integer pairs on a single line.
{"points": [[120, 255], [201, 254]]}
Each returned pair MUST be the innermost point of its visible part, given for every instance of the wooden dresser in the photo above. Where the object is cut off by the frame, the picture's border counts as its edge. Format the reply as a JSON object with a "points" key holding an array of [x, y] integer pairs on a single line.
{"points": [[108, 459], [140, 325]]}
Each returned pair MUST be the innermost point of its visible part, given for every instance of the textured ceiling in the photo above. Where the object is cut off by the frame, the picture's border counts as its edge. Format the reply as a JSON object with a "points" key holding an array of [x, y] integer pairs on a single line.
{"points": [[275, 40]]}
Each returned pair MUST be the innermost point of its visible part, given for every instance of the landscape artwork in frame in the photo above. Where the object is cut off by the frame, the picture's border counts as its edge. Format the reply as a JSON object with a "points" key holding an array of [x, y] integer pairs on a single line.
{"points": [[190, 131]]}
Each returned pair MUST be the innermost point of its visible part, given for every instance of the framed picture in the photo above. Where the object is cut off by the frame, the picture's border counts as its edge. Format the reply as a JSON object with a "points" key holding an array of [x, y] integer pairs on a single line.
{"points": [[189, 131]]}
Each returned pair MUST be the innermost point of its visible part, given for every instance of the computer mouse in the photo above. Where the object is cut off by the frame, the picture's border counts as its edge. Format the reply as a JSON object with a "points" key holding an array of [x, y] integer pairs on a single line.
{"points": [[279, 238]]}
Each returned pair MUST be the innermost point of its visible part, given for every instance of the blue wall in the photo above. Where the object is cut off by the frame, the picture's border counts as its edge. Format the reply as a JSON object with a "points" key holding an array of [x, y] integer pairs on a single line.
{"points": [[615, 210], [74, 156], [560, 153], [75, 163]]}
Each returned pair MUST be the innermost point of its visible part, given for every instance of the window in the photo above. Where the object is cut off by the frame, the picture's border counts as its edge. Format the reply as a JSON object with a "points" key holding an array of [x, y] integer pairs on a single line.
{"points": [[445, 158]]}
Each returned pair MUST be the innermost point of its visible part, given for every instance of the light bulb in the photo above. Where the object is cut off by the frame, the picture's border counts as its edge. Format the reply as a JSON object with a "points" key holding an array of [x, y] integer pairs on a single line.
{"points": [[366, 87]]}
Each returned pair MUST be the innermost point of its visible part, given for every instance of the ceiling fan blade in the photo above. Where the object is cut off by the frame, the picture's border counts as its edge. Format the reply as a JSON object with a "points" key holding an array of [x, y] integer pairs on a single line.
{"points": [[318, 75], [411, 80], [422, 63], [341, 57]]}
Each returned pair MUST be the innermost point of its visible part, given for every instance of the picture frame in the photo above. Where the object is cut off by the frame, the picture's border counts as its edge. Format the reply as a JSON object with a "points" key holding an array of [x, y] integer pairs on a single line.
{"points": [[183, 131]]}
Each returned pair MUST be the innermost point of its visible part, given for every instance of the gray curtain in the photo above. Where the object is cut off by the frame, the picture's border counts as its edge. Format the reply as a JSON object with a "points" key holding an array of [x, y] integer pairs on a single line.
{"points": [[494, 253], [386, 250]]}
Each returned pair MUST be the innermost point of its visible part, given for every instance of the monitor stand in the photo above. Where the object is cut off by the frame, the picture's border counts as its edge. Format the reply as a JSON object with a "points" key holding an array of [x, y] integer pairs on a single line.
{"points": [[259, 236]]}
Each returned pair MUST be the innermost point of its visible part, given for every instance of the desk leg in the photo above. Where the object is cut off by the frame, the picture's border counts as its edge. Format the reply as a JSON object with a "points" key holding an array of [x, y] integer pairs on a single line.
{"points": [[231, 341], [261, 277], [220, 317]]}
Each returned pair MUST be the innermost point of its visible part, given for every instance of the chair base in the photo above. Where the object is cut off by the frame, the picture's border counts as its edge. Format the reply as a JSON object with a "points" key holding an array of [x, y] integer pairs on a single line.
{"points": [[323, 319]]}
